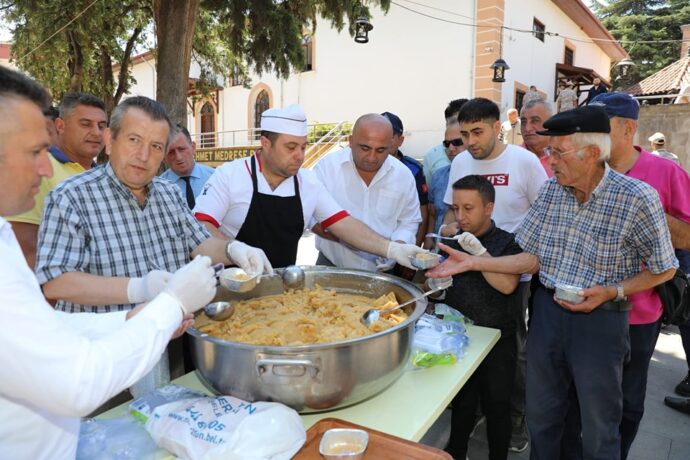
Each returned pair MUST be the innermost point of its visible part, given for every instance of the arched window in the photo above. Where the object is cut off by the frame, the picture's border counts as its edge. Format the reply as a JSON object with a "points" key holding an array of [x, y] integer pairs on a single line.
{"points": [[261, 104], [208, 125]]}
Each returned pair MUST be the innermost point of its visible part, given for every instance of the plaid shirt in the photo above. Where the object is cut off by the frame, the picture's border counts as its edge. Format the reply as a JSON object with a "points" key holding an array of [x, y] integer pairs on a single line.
{"points": [[602, 241], [93, 223]]}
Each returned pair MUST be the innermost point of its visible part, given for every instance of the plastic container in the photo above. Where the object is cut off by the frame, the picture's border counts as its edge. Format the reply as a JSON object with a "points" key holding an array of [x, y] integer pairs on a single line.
{"points": [[425, 260], [344, 444], [569, 293], [440, 283]]}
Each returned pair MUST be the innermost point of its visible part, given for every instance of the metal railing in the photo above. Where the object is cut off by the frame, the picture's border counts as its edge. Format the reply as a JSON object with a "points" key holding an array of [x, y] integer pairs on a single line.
{"points": [[221, 146], [250, 137], [336, 137]]}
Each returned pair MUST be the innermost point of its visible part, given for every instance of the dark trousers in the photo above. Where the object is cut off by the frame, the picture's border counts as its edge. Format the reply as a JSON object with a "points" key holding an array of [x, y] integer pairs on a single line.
{"points": [[517, 400], [583, 352], [685, 337], [643, 339], [490, 386]]}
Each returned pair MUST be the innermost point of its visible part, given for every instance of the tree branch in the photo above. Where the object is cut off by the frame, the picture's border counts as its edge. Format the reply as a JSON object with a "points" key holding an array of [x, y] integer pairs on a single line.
{"points": [[124, 65]]}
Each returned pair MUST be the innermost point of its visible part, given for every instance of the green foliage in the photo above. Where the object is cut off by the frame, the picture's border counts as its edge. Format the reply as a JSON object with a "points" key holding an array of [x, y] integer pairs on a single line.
{"points": [[645, 20], [318, 130], [80, 57]]}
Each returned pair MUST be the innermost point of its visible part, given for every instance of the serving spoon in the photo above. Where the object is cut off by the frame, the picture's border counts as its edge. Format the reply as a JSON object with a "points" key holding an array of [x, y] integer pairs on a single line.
{"points": [[219, 311], [293, 276], [372, 315], [436, 235]]}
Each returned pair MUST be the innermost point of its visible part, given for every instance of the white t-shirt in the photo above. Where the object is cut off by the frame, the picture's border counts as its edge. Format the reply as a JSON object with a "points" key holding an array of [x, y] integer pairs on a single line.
{"points": [[517, 176], [228, 193], [389, 204], [57, 367]]}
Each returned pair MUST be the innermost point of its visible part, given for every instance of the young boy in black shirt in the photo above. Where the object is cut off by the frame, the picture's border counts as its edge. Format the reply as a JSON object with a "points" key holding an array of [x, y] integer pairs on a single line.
{"points": [[491, 300]]}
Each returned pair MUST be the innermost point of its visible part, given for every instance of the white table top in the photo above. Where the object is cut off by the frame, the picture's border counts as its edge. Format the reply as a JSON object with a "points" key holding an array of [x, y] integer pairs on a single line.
{"points": [[408, 407]]}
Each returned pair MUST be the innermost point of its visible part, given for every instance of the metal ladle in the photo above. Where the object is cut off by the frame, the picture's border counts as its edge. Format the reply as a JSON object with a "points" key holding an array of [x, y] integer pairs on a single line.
{"points": [[372, 315], [293, 277], [219, 311]]}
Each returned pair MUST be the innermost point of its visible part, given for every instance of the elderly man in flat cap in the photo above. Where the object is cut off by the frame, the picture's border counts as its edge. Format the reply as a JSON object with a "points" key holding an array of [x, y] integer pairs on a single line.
{"points": [[588, 235], [268, 201]]}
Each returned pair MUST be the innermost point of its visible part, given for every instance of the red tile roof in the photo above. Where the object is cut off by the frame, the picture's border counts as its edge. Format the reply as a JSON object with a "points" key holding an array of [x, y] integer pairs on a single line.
{"points": [[668, 80]]}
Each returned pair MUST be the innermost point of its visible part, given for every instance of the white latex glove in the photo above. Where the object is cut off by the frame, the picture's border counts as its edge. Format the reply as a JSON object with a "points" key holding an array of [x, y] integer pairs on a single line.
{"points": [[250, 259], [193, 285], [383, 264], [401, 253], [470, 243], [147, 287]]}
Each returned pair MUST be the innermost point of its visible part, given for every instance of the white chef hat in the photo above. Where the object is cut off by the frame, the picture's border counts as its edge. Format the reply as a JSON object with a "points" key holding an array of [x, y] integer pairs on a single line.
{"points": [[290, 120], [657, 138]]}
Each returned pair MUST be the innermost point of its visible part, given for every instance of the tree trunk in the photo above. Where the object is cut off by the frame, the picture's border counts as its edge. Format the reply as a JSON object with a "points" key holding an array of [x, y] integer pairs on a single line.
{"points": [[76, 63], [175, 23]]}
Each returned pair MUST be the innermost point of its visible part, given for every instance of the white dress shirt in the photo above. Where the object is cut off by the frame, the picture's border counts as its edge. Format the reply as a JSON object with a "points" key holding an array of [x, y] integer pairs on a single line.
{"points": [[389, 204], [57, 367]]}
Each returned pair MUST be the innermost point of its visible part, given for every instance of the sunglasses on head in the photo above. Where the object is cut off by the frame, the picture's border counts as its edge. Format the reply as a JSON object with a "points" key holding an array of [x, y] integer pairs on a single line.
{"points": [[455, 142]]}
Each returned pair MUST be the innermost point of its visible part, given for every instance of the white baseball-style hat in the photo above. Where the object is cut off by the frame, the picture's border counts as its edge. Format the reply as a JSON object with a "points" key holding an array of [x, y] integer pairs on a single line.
{"points": [[657, 138], [290, 120]]}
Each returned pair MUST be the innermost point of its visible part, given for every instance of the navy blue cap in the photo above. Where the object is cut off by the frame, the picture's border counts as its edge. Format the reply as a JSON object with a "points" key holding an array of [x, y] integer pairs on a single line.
{"points": [[586, 119], [618, 105], [395, 121]]}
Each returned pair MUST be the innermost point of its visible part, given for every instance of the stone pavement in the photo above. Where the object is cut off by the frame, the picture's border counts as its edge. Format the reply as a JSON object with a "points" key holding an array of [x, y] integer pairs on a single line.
{"points": [[664, 433]]}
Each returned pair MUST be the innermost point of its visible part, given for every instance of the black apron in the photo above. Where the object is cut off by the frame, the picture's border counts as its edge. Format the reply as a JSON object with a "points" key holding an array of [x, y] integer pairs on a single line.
{"points": [[273, 223]]}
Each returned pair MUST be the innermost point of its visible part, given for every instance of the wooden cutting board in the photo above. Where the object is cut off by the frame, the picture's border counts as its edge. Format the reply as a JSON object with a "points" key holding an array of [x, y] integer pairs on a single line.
{"points": [[381, 446]]}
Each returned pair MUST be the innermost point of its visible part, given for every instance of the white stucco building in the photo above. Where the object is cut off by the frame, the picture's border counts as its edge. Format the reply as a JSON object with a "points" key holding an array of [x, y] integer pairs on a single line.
{"points": [[420, 55]]}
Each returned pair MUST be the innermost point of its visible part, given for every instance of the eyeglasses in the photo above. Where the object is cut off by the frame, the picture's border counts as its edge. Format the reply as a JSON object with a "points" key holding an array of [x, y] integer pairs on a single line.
{"points": [[456, 142], [549, 151]]}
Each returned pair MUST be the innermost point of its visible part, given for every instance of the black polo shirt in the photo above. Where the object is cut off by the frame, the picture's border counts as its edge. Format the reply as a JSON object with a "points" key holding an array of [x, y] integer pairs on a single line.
{"points": [[475, 298]]}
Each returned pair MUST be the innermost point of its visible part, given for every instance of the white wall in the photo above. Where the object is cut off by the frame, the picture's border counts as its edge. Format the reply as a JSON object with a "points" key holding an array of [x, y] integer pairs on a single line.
{"points": [[531, 61], [412, 66]]}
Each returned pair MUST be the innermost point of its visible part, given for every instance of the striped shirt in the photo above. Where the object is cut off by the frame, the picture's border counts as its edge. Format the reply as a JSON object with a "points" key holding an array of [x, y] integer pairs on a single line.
{"points": [[93, 223], [602, 241]]}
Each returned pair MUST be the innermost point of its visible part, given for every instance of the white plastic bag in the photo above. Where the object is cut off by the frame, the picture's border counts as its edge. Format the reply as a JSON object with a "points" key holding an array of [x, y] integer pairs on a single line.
{"points": [[116, 439], [227, 428]]}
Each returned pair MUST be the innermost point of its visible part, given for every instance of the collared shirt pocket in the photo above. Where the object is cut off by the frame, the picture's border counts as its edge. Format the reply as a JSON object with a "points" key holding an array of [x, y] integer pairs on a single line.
{"points": [[388, 203]]}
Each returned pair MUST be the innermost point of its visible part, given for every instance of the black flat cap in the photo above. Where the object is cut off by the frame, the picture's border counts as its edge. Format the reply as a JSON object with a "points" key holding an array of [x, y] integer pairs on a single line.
{"points": [[587, 119]]}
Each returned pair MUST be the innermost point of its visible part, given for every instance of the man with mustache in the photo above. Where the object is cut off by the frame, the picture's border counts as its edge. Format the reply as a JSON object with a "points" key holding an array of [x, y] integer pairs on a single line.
{"points": [[268, 200], [183, 171], [79, 127], [374, 187], [532, 117]]}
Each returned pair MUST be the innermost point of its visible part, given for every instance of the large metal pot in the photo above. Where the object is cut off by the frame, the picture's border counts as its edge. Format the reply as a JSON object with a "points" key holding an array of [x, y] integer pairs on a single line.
{"points": [[312, 378]]}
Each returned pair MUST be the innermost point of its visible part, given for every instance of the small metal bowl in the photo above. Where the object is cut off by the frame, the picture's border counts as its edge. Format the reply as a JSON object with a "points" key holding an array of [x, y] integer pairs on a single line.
{"points": [[425, 260], [344, 444], [237, 280], [569, 293]]}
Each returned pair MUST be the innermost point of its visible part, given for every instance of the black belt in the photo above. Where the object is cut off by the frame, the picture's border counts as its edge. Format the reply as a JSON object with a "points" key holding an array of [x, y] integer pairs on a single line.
{"points": [[610, 305]]}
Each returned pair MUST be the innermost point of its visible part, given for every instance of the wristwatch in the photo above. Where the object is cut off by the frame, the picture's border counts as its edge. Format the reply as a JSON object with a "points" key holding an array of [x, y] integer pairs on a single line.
{"points": [[620, 293]]}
